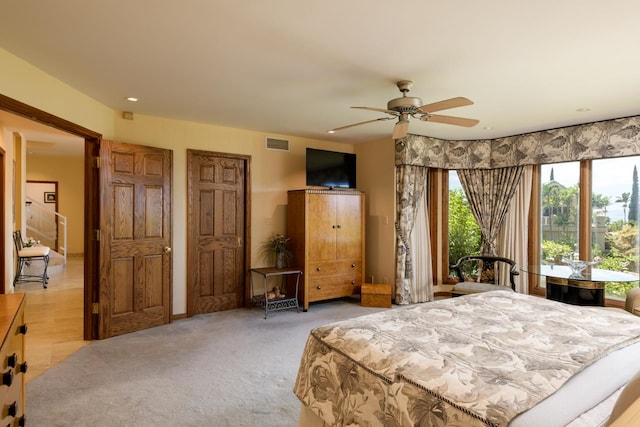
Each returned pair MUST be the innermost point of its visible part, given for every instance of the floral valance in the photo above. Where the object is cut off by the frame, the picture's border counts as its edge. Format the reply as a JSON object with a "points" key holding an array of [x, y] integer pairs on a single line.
{"points": [[605, 139]]}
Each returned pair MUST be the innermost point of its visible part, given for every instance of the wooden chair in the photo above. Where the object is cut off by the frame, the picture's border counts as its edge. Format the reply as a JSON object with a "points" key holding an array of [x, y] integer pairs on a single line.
{"points": [[26, 255], [481, 273]]}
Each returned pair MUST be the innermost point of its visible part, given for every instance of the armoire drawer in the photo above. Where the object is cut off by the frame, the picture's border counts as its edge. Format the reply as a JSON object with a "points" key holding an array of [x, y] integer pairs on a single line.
{"points": [[334, 287], [339, 267]]}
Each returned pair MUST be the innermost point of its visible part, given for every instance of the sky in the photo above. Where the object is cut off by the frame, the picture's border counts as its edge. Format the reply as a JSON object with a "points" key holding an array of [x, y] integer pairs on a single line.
{"points": [[611, 177]]}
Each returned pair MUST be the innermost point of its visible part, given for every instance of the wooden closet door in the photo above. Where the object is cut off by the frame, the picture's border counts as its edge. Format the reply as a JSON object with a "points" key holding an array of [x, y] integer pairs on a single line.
{"points": [[216, 231]]}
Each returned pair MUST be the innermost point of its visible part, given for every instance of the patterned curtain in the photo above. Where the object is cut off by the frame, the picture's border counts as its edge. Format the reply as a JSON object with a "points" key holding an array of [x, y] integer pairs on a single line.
{"points": [[410, 184], [512, 239], [489, 192]]}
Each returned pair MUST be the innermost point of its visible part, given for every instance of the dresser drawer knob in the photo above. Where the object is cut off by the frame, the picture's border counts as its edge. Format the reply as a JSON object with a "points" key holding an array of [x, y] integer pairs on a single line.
{"points": [[22, 368], [318, 287], [12, 360], [353, 282], [353, 266], [318, 269], [22, 329], [12, 410], [7, 378]]}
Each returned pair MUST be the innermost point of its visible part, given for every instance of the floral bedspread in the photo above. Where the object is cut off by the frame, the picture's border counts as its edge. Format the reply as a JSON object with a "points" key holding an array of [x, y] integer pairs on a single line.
{"points": [[469, 361]]}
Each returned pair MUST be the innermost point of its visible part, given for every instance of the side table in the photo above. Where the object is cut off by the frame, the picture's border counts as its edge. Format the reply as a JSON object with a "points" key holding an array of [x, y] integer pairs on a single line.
{"points": [[273, 304]]}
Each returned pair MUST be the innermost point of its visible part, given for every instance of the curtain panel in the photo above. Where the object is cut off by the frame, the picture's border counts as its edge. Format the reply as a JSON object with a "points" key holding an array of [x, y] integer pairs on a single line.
{"points": [[410, 186], [512, 239], [489, 192]]}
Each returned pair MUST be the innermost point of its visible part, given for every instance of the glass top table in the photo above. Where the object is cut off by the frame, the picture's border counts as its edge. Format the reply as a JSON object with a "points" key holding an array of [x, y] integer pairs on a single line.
{"points": [[586, 288], [589, 274]]}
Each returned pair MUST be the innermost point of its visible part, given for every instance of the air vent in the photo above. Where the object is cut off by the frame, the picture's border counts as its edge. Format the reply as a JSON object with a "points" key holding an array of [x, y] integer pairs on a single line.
{"points": [[276, 144]]}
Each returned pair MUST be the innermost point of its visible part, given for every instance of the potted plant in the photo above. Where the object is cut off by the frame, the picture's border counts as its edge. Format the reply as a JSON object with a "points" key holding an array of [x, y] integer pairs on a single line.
{"points": [[278, 245]]}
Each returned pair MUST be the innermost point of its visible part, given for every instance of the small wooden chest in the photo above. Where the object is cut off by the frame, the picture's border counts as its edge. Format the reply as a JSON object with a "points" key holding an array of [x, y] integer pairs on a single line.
{"points": [[375, 295]]}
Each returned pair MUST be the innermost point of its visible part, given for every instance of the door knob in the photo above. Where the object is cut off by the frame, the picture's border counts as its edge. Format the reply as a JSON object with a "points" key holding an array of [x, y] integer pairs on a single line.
{"points": [[167, 249]]}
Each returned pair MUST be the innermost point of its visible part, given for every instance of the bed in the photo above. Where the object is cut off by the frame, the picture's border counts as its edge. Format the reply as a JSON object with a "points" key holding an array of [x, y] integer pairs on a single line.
{"points": [[490, 359]]}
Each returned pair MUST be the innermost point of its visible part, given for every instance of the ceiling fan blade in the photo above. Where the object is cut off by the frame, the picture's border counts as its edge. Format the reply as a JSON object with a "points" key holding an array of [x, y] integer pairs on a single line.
{"points": [[401, 129], [446, 104], [450, 120], [360, 123], [381, 110]]}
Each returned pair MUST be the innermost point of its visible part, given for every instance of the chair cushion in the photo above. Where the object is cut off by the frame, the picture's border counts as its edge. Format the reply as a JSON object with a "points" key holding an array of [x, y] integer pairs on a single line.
{"points": [[632, 302], [33, 251], [464, 288]]}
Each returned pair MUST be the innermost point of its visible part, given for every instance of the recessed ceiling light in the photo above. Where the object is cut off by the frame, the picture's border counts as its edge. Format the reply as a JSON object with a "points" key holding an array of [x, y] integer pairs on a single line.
{"points": [[132, 99], [331, 131], [488, 128], [583, 109]]}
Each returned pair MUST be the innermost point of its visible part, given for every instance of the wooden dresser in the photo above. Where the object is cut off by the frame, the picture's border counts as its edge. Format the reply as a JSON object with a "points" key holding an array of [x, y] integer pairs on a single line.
{"points": [[12, 363], [327, 232]]}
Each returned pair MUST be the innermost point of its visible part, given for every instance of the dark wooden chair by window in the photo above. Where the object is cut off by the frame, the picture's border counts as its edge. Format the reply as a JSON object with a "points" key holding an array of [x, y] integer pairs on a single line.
{"points": [[482, 273], [27, 255]]}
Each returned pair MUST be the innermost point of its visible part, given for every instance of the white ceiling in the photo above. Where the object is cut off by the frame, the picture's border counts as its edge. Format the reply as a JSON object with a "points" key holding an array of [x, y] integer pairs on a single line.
{"points": [[295, 67]]}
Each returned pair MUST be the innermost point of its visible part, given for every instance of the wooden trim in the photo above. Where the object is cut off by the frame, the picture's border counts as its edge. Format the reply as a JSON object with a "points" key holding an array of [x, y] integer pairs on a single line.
{"points": [[21, 109], [3, 207], [438, 197], [180, 316], [584, 207], [533, 245], [91, 244]]}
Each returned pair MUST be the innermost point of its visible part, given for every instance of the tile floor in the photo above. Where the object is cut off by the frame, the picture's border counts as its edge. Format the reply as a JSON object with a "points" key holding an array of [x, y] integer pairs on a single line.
{"points": [[54, 317]]}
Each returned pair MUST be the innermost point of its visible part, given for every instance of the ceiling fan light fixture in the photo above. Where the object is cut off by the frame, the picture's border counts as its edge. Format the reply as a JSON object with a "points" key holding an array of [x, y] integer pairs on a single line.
{"points": [[406, 107]]}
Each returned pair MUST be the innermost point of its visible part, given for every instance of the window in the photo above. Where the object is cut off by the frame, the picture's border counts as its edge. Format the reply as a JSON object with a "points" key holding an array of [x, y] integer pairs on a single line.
{"points": [[463, 231], [614, 217], [585, 210], [560, 192], [609, 225]]}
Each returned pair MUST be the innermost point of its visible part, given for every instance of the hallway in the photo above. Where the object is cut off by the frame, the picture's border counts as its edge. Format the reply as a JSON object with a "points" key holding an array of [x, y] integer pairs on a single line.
{"points": [[54, 317]]}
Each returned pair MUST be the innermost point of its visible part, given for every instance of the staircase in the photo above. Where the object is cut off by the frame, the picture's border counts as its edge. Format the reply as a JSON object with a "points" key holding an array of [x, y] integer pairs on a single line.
{"points": [[50, 229]]}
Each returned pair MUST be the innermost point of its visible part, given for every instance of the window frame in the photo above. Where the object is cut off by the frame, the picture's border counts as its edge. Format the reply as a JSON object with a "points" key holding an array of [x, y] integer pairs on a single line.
{"points": [[439, 214]]}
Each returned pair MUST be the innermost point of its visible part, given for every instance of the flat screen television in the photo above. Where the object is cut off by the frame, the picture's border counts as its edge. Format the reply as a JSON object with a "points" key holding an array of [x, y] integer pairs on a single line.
{"points": [[330, 169]]}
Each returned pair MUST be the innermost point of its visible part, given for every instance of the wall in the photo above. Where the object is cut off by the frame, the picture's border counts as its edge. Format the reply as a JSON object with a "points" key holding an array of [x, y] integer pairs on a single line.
{"points": [[69, 172], [272, 172], [376, 177]]}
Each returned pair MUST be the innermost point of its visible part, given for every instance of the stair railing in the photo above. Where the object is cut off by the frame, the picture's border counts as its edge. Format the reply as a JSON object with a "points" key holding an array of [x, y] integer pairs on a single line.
{"points": [[47, 226]]}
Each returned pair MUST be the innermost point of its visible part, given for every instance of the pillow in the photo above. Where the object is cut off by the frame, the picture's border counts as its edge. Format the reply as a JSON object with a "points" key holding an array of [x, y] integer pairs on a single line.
{"points": [[630, 394]]}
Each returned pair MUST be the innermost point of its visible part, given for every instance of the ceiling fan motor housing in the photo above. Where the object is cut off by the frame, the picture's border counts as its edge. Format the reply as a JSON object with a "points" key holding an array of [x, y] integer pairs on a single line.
{"points": [[405, 104]]}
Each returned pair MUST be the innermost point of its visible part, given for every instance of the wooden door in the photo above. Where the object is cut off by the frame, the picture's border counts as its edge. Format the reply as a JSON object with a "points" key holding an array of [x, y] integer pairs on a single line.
{"points": [[349, 218], [135, 238], [321, 223], [216, 247]]}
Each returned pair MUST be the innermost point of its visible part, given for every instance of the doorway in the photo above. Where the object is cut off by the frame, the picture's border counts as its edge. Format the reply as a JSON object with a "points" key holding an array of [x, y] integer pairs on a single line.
{"points": [[24, 113], [97, 306]]}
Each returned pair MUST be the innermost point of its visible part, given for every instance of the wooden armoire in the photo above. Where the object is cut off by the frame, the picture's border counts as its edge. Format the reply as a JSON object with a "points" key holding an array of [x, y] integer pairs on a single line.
{"points": [[327, 232]]}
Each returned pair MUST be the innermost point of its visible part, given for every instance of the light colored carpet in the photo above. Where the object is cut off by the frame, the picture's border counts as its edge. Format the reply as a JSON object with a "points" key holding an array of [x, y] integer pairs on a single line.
{"points": [[231, 368]]}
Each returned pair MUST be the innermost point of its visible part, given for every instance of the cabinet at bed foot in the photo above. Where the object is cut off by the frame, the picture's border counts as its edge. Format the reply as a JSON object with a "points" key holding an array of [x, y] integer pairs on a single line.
{"points": [[326, 228]]}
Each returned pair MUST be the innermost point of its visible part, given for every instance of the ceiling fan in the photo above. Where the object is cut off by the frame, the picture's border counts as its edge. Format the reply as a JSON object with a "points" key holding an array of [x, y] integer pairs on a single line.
{"points": [[408, 106]]}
